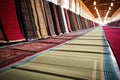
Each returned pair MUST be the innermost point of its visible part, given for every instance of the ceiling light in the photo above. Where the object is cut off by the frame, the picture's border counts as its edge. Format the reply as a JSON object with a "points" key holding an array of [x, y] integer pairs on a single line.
{"points": [[108, 12], [95, 8], [111, 3], [94, 3], [109, 8]]}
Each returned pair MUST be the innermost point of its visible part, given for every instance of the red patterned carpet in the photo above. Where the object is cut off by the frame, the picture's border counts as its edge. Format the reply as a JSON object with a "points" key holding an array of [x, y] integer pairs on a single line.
{"points": [[14, 53], [9, 56], [113, 36]]}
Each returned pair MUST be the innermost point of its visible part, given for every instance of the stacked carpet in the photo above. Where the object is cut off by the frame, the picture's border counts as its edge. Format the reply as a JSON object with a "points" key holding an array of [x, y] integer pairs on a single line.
{"points": [[86, 23], [36, 21], [12, 33], [64, 19], [75, 22], [83, 23], [55, 18], [79, 21], [26, 19], [30, 20], [49, 19], [76, 62], [115, 23], [43, 28], [60, 18], [68, 20], [112, 35], [71, 20]]}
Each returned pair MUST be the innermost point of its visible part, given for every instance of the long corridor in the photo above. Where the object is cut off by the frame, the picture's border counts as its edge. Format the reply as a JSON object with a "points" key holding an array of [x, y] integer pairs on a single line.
{"points": [[86, 57]]}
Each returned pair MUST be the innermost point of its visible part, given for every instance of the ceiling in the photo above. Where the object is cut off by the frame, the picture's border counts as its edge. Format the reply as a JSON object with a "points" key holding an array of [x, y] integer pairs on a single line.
{"points": [[102, 6]]}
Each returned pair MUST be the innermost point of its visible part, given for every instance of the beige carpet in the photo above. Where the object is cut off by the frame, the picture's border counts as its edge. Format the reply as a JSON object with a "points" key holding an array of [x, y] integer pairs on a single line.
{"points": [[76, 60]]}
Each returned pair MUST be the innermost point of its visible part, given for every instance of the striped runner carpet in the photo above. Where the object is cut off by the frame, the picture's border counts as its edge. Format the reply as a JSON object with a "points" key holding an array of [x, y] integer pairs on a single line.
{"points": [[12, 53], [112, 35], [84, 58]]}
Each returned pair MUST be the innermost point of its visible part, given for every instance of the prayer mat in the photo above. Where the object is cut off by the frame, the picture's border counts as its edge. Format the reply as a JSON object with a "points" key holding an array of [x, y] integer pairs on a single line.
{"points": [[64, 20], [92, 23], [71, 20], [65, 37], [88, 41], [41, 45], [49, 17], [89, 23], [79, 21], [83, 23], [33, 46], [54, 40], [86, 23], [9, 56], [55, 18], [41, 19], [60, 17], [82, 48], [23, 75], [91, 37], [35, 18], [95, 34], [9, 21], [75, 22], [68, 20], [27, 20]]}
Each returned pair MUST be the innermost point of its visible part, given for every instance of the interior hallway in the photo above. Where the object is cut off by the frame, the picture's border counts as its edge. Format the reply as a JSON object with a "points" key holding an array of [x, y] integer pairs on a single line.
{"points": [[59, 40], [86, 57]]}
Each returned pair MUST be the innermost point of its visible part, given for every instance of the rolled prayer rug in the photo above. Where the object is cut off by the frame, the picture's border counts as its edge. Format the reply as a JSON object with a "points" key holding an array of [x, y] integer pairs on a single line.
{"points": [[64, 20], [43, 28], [49, 19], [9, 21], [71, 20], [83, 24], [75, 22], [27, 19], [68, 20], [35, 17], [79, 21], [60, 18], [55, 18], [86, 23]]}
